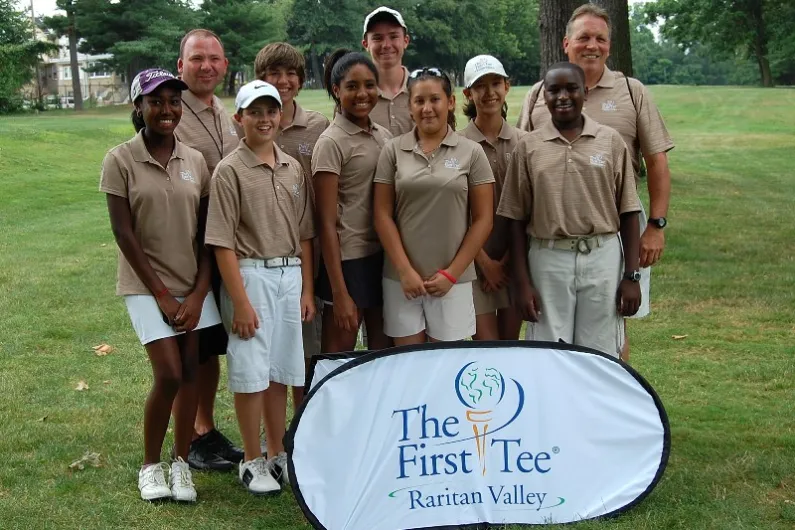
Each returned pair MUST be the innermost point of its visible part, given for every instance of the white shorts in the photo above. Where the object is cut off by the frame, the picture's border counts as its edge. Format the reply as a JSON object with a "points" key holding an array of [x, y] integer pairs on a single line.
{"points": [[275, 352], [147, 319], [645, 274], [447, 318]]}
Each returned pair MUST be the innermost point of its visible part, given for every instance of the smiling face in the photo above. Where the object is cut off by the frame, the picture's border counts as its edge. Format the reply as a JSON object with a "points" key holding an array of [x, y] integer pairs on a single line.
{"points": [[202, 65], [260, 121], [588, 44], [564, 94], [386, 41], [357, 94], [488, 93], [286, 80], [430, 106], [162, 109]]}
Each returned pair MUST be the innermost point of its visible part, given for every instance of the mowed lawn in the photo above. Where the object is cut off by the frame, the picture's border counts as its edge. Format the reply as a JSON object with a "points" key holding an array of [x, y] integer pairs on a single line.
{"points": [[725, 289]]}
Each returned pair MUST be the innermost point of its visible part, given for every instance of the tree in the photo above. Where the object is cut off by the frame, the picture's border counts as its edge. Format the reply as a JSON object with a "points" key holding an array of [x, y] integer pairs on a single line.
{"points": [[620, 45], [67, 26]]}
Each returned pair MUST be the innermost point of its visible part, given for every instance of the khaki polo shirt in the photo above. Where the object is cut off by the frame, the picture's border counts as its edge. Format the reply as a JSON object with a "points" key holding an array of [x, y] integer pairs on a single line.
{"points": [[610, 104], [298, 140], [209, 130], [259, 211], [349, 151], [432, 198], [570, 189], [394, 114], [498, 155], [164, 203]]}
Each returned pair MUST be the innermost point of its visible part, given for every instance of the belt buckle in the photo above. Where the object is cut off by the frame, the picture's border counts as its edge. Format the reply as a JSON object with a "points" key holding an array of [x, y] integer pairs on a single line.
{"points": [[583, 245]]}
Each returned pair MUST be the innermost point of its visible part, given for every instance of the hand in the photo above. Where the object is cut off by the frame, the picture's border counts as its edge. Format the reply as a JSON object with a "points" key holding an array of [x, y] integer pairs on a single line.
{"points": [[346, 314], [189, 313], [652, 243], [493, 274], [412, 284], [527, 302], [628, 298], [308, 308], [169, 307], [244, 321], [438, 285]]}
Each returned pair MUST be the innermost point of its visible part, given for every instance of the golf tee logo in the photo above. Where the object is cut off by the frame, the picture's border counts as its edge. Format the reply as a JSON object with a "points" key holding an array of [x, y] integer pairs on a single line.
{"points": [[480, 390]]}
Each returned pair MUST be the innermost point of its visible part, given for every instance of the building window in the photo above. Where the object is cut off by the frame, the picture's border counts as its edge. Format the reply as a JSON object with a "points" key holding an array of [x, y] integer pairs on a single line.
{"points": [[102, 72], [67, 72]]}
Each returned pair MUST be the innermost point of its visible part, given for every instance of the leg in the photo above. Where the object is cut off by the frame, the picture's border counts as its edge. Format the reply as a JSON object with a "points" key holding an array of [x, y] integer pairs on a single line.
{"points": [[509, 323], [209, 374], [486, 305], [248, 409], [167, 371], [185, 403], [275, 399], [336, 339], [553, 272], [374, 323], [487, 327]]}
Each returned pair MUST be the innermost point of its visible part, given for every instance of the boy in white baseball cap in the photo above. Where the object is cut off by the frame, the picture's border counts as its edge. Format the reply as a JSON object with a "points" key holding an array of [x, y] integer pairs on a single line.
{"points": [[260, 224]]}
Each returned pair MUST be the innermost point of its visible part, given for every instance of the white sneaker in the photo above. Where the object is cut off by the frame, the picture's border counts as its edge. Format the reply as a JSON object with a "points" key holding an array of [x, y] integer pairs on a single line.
{"points": [[256, 477], [278, 465], [152, 482], [181, 482]]}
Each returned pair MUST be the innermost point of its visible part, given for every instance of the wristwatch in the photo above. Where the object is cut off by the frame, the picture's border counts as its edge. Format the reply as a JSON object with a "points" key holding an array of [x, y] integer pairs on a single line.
{"points": [[633, 276], [659, 222]]}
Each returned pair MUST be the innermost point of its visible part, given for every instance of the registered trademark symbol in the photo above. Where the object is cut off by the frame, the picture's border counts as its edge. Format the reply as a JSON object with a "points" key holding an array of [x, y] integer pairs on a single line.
{"points": [[555, 450]]}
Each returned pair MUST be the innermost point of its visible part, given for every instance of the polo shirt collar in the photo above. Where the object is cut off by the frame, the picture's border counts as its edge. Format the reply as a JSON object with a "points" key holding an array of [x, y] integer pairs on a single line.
{"points": [[409, 140], [300, 118], [608, 79], [141, 153], [351, 128], [549, 132], [195, 103], [252, 160], [404, 88], [478, 136]]}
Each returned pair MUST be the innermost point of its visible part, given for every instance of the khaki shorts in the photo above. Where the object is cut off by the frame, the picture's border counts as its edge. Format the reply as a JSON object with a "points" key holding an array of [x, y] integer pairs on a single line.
{"points": [[447, 318], [489, 302]]}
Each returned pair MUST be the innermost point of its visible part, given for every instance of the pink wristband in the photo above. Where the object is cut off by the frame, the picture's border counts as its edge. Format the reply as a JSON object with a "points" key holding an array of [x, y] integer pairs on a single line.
{"points": [[448, 276]]}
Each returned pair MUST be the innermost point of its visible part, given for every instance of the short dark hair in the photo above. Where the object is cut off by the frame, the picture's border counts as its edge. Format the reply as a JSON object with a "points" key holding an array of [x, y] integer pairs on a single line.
{"points": [[565, 65], [279, 55], [204, 33]]}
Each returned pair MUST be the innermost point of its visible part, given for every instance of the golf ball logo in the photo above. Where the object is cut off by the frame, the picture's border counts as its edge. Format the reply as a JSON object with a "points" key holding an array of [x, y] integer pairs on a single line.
{"points": [[480, 389]]}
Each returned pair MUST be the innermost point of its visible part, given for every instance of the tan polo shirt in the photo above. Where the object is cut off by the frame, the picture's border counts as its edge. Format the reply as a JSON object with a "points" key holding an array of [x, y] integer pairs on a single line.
{"points": [[570, 189], [210, 130], [298, 140], [349, 151], [259, 211], [164, 203], [432, 198], [610, 104], [498, 155], [394, 114]]}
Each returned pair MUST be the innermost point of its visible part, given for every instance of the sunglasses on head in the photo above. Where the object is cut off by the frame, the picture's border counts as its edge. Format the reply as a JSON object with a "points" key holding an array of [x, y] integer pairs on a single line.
{"points": [[432, 71]]}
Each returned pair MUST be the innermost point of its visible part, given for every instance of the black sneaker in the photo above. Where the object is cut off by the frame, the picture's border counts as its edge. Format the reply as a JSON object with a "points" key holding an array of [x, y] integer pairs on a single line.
{"points": [[224, 447], [204, 457]]}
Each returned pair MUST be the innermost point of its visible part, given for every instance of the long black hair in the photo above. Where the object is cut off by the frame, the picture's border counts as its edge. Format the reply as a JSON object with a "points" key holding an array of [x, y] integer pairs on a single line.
{"points": [[434, 73], [337, 66]]}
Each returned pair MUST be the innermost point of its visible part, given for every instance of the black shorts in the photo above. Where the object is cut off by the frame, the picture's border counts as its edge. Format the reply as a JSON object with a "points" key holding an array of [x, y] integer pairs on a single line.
{"points": [[213, 340], [362, 278]]}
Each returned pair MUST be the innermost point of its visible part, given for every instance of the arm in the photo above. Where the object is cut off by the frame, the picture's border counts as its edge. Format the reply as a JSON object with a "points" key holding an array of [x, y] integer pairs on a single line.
{"points": [[191, 309], [385, 227], [493, 273], [121, 224], [481, 200], [652, 240], [345, 311], [523, 294], [628, 296], [307, 281], [244, 319]]}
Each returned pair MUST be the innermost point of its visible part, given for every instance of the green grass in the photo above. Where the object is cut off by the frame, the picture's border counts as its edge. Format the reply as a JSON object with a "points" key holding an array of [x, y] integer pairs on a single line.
{"points": [[727, 281]]}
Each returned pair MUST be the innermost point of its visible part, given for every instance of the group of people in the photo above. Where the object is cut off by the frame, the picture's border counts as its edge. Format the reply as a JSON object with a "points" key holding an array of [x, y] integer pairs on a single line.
{"points": [[271, 234]]}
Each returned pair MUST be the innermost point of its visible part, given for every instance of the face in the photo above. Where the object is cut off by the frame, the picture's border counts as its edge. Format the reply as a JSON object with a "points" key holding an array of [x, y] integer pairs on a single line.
{"points": [[286, 81], [203, 64], [430, 106], [357, 92], [386, 42], [564, 94], [488, 93], [161, 110], [260, 120], [589, 43]]}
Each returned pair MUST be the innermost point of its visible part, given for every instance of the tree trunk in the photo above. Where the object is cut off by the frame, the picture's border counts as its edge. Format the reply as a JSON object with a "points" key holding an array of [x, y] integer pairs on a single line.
{"points": [[552, 18], [75, 67], [317, 71], [620, 49], [230, 88], [760, 44]]}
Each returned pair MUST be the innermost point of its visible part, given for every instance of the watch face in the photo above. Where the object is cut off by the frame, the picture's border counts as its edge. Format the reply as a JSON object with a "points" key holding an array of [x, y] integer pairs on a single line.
{"points": [[661, 222]]}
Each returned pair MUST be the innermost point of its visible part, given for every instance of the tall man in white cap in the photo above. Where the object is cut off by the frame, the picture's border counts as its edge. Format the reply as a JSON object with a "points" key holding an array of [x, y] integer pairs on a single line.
{"points": [[386, 37], [625, 105], [207, 127]]}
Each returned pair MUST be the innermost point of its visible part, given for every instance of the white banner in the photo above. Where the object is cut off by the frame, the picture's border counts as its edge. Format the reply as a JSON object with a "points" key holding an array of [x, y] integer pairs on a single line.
{"points": [[467, 432]]}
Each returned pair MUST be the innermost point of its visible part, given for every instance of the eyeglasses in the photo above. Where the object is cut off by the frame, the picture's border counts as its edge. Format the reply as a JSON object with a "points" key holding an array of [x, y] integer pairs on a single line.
{"points": [[432, 71]]}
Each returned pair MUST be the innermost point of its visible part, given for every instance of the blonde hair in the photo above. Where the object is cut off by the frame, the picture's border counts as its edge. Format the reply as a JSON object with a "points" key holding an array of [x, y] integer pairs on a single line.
{"points": [[588, 9]]}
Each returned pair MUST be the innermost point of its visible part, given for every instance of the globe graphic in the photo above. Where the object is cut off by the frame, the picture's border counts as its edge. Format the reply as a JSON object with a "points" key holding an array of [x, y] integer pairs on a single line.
{"points": [[480, 387]]}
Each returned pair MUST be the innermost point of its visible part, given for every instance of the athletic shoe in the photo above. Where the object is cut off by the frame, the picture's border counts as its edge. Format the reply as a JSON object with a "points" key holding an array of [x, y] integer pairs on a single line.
{"points": [[256, 477], [181, 482], [224, 447], [204, 456], [279, 468], [152, 482]]}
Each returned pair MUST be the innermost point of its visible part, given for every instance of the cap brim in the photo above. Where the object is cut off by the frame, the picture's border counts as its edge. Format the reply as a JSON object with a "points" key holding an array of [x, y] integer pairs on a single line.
{"points": [[178, 83], [383, 16], [254, 98], [495, 72]]}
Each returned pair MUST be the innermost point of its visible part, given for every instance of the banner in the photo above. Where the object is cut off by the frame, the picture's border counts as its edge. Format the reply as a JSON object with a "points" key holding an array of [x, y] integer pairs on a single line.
{"points": [[467, 432]]}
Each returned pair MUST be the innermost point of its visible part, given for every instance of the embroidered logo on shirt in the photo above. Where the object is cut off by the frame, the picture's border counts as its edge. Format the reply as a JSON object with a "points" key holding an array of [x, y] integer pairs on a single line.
{"points": [[305, 149], [598, 160], [451, 163], [609, 106], [296, 191], [187, 175], [232, 130]]}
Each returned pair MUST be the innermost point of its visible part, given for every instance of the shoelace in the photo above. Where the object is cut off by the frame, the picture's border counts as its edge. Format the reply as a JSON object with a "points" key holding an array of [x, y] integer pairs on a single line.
{"points": [[183, 477], [157, 477]]}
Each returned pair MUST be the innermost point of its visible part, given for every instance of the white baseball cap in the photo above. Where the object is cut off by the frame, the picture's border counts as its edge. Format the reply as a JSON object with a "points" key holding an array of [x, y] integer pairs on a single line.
{"points": [[255, 90], [482, 65], [389, 12]]}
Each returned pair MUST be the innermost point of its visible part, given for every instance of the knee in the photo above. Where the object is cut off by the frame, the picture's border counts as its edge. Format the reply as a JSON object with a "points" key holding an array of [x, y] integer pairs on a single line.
{"points": [[168, 381]]}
